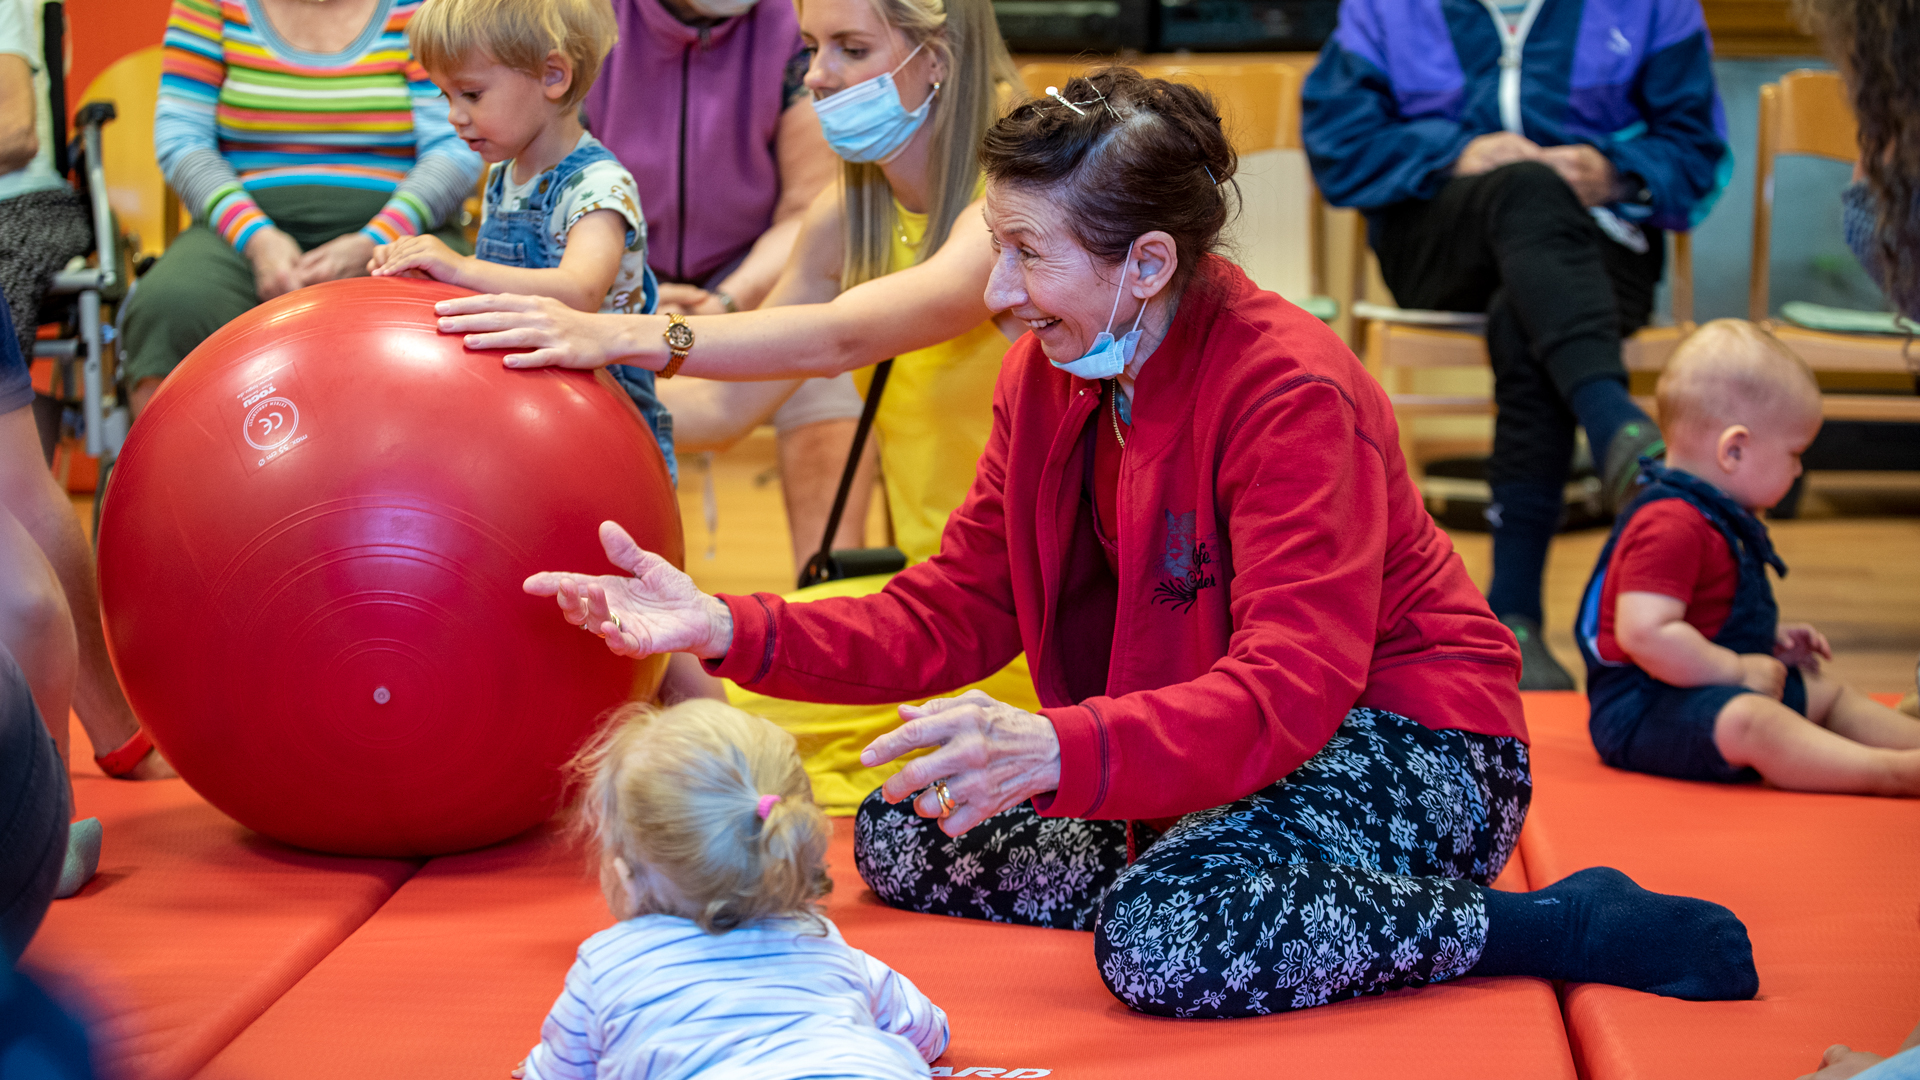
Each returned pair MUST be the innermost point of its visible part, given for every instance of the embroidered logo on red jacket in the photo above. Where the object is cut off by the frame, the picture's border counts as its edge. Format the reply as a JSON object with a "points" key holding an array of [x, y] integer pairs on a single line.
{"points": [[1187, 560]]}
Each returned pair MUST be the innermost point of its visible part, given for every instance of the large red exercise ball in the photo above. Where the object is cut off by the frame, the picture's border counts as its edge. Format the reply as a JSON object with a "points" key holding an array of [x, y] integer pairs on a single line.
{"points": [[311, 553]]}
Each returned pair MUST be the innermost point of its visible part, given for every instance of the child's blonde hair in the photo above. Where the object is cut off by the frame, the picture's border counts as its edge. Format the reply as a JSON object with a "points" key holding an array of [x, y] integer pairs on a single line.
{"points": [[517, 33], [676, 792], [1730, 371]]}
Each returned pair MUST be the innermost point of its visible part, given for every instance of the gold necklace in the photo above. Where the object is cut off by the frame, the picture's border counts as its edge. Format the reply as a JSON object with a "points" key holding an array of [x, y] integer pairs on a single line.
{"points": [[1113, 408]]}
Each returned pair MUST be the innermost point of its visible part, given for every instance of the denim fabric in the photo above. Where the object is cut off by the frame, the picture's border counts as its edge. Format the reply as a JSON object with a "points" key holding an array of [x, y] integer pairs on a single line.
{"points": [[521, 238], [33, 812], [1636, 721]]}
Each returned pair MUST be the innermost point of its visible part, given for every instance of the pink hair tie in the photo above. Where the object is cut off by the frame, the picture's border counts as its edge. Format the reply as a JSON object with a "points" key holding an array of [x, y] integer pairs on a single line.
{"points": [[766, 805]]}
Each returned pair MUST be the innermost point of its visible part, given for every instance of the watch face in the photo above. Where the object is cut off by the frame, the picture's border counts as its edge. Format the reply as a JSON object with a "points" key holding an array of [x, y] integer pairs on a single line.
{"points": [[679, 336]]}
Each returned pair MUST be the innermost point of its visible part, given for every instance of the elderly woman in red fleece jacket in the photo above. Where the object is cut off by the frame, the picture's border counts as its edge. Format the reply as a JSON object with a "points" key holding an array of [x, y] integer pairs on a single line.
{"points": [[1282, 753]]}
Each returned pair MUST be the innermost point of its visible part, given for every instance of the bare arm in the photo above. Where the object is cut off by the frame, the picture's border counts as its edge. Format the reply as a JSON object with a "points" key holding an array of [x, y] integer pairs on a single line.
{"points": [[1652, 630], [19, 142], [586, 271], [903, 311], [806, 169], [712, 415]]}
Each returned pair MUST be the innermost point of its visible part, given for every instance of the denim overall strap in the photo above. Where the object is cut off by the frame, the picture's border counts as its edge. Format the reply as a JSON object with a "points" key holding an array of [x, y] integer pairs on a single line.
{"points": [[520, 237], [1750, 624]]}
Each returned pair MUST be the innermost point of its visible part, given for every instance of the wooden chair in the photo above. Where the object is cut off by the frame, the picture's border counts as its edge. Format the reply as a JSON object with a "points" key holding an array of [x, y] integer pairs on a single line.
{"points": [[1277, 233], [1806, 113], [1400, 344]]}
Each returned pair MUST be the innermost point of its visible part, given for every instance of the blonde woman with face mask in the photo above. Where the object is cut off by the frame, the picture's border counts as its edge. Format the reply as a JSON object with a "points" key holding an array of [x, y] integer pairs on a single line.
{"points": [[891, 261]]}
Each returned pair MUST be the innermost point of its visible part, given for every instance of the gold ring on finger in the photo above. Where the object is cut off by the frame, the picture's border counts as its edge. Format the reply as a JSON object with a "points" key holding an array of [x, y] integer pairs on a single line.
{"points": [[946, 798]]}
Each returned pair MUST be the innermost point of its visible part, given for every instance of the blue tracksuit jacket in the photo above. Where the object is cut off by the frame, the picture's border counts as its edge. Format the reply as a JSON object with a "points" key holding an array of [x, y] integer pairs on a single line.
{"points": [[1404, 85]]}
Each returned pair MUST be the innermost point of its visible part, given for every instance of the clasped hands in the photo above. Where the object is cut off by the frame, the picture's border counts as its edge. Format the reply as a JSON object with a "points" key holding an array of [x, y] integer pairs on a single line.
{"points": [[279, 266], [991, 755], [1585, 169]]}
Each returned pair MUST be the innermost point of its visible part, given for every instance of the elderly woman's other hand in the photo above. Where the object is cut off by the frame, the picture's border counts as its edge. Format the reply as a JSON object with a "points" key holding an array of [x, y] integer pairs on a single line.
{"points": [[550, 333], [990, 756], [276, 262], [341, 257], [657, 609]]}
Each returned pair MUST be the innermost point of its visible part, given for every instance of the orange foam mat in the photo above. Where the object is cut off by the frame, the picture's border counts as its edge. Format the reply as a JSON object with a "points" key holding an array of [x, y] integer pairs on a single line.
{"points": [[1828, 886], [453, 976], [193, 926]]}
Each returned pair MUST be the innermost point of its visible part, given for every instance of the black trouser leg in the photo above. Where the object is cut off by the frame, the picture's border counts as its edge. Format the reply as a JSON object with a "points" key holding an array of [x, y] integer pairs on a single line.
{"points": [[1519, 235]]}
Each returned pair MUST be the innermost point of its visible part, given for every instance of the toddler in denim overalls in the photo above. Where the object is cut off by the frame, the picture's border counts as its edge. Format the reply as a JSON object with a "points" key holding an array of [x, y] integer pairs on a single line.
{"points": [[577, 195], [1690, 673]]}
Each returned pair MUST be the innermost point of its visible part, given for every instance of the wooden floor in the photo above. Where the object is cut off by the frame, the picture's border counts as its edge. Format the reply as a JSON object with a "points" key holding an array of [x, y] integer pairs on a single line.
{"points": [[1854, 557]]}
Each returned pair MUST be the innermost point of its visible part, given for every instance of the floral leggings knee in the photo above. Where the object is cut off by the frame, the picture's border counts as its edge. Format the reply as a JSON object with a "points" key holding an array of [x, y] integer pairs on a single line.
{"points": [[1358, 873]]}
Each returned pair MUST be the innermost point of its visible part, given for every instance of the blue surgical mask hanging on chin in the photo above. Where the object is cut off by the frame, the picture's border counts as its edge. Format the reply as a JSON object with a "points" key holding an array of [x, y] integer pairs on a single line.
{"points": [[867, 122], [1109, 357]]}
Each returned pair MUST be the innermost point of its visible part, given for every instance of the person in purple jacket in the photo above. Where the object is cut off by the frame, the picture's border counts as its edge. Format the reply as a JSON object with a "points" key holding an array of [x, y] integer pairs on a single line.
{"points": [[703, 102], [1524, 158]]}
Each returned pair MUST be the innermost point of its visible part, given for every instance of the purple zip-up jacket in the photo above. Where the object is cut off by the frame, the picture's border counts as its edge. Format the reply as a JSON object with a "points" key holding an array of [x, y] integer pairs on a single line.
{"points": [[692, 114]]}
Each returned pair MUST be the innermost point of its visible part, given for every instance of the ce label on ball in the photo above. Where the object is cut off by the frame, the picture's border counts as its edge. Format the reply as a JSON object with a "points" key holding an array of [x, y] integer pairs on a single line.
{"points": [[268, 419]]}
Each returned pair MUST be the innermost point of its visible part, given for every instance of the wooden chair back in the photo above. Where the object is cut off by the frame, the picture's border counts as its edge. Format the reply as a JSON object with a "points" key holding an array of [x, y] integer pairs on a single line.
{"points": [[1806, 113], [1260, 107]]}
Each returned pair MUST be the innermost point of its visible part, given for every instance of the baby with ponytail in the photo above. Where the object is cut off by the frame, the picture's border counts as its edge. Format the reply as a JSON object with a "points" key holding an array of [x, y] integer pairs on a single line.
{"points": [[712, 855]]}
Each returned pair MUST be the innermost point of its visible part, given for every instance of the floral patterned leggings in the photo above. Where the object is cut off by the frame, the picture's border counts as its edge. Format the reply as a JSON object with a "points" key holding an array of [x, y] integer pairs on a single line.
{"points": [[1358, 873]]}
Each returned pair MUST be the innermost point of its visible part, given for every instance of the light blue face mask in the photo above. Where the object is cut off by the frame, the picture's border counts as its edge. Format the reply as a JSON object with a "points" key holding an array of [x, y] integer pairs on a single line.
{"points": [[1109, 357], [867, 122]]}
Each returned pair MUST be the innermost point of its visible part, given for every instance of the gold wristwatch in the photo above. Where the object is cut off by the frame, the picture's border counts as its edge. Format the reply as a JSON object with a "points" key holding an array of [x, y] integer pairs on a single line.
{"points": [[679, 338]]}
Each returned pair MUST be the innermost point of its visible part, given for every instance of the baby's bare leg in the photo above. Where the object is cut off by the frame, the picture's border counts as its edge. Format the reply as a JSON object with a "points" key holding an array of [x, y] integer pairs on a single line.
{"points": [[1794, 753], [1849, 713]]}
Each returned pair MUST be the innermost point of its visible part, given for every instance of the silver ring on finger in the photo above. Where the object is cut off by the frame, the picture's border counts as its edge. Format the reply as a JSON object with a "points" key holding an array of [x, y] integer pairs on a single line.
{"points": [[946, 798]]}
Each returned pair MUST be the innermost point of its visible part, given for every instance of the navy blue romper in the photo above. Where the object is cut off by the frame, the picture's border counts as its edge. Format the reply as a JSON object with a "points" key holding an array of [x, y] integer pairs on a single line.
{"points": [[1637, 721]]}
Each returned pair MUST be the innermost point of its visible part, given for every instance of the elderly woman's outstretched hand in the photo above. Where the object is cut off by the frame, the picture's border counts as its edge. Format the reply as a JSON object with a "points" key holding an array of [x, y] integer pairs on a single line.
{"points": [[652, 608], [990, 756], [546, 332]]}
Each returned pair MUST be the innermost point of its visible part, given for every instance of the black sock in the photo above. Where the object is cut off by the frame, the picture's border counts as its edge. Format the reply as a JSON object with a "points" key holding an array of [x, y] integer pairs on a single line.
{"points": [[1524, 516], [1603, 407], [1598, 926]]}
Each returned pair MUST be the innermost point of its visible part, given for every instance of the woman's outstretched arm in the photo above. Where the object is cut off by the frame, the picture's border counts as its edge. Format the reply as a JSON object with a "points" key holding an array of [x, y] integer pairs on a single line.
{"points": [[903, 311]]}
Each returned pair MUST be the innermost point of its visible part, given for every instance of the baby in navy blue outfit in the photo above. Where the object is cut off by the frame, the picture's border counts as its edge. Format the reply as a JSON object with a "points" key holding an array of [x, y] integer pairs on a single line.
{"points": [[1690, 673]]}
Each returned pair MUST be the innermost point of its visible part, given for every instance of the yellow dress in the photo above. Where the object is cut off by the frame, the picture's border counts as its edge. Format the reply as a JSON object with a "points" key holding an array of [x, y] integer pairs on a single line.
{"points": [[932, 425]]}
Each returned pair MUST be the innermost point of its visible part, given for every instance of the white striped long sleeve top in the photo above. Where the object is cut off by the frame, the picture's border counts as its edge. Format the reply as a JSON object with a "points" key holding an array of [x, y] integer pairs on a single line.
{"points": [[657, 998]]}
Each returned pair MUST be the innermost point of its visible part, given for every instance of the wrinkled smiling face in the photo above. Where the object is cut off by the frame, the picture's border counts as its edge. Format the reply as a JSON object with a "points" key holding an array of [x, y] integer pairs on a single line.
{"points": [[1043, 277]]}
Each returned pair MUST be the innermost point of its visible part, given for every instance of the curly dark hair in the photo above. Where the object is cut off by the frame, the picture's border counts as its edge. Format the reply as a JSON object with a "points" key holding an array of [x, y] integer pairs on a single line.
{"points": [[1876, 44], [1130, 156]]}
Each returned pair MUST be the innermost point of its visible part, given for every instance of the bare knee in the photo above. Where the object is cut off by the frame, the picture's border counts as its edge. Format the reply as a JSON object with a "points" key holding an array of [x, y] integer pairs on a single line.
{"points": [[1747, 720]]}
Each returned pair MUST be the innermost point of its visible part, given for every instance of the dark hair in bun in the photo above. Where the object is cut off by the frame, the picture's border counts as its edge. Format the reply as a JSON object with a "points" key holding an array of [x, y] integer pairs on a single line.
{"points": [[1131, 155]]}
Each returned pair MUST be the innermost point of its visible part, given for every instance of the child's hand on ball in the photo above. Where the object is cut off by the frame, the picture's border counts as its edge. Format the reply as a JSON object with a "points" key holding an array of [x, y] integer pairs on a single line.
{"points": [[418, 256]]}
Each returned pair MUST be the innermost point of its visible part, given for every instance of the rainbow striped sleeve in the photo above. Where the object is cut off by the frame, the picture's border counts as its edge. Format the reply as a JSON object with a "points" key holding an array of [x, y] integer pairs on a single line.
{"points": [[185, 130], [444, 171]]}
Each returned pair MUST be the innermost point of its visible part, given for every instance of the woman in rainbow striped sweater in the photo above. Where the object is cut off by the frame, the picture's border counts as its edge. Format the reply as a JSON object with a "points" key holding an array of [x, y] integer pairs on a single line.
{"points": [[301, 133]]}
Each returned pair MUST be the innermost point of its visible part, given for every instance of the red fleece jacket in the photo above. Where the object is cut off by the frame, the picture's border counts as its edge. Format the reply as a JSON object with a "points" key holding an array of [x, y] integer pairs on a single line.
{"points": [[1277, 568]]}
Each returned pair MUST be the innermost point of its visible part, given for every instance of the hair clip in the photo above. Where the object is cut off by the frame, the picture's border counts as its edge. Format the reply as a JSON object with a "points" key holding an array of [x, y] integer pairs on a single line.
{"points": [[766, 805], [1054, 93], [1209, 172]]}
